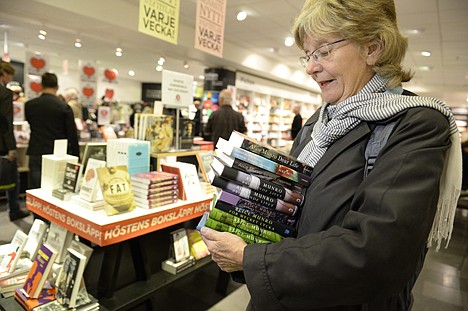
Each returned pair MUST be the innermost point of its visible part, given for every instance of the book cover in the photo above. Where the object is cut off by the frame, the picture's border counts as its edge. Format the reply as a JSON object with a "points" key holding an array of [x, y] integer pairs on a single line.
{"points": [[22, 268], [252, 195], [256, 171], [15, 249], [269, 213], [180, 246], [36, 236], [180, 185], [198, 248], [59, 238], [263, 163], [116, 189], [45, 296], [173, 267], [40, 270], [153, 177], [90, 190], [245, 142], [158, 131], [256, 183], [242, 224], [71, 179], [246, 236], [94, 150], [82, 248], [264, 220], [69, 278]]}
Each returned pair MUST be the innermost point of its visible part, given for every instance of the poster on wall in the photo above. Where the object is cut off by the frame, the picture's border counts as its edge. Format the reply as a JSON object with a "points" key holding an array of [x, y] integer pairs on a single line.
{"points": [[88, 82], [160, 19], [176, 89], [110, 75], [209, 26], [32, 86], [36, 64]]}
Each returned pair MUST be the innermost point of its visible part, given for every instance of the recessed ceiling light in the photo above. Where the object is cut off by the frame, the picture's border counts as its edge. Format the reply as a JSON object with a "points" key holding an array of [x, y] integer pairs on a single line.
{"points": [[186, 65], [161, 61], [289, 41], [41, 36], [424, 68], [412, 32], [131, 73], [426, 53], [118, 52], [242, 15], [159, 68], [43, 32], [78, 43]]}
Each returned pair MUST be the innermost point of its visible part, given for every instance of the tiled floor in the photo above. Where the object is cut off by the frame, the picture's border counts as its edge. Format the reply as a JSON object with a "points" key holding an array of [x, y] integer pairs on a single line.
{"points": [[442, 285]]}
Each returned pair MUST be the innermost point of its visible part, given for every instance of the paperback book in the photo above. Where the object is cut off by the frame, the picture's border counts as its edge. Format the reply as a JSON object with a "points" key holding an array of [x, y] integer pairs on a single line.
{"points": [[14, 251], [261, 162], [245, 142], [256, 183], [116, 189], [153, 178], [72, 177], [45, 296], [90, 190], [69, 278], [36, 236], [40, 270], [59, 238], [252, 195]]}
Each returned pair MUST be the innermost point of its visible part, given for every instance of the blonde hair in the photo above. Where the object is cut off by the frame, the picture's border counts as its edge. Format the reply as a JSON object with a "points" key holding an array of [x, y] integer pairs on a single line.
{"points": [[362, 22]]}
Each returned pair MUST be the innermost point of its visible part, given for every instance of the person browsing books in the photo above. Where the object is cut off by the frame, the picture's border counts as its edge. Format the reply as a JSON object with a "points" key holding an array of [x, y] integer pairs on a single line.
{"points": [[361, 240], [224, 120]]}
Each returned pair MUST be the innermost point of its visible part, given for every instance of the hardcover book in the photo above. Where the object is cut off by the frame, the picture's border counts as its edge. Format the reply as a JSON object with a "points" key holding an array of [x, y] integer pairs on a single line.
{"points": [[256, 171], [40, 270], [59, 238], [245, 142], [90, 190], [36, 236], [45, 296], [69, 278], [269, 213], [256, 183], [71, 179], [242, 224], [263, 163], [116, 189], [13, 254], [252, 195]]}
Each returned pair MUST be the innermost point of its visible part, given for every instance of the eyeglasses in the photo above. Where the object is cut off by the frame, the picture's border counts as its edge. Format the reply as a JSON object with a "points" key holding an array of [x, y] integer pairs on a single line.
{"points": [[319, 53]]}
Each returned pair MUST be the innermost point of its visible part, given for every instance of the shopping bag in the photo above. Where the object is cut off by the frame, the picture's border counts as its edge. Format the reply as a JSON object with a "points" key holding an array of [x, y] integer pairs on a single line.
{"points": [[7, 174]]}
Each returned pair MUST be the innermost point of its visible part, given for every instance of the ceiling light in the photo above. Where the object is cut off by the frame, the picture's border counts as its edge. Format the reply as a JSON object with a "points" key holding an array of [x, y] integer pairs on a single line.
{"points": [[131, 73], [424, 68], [41, 36], [78, 43], [118, 52], [426, 53], [161, 61], [241, 16], [159, 68], [289, 41], [43, 32], [415, 31], [186, 66], [201, 77]]}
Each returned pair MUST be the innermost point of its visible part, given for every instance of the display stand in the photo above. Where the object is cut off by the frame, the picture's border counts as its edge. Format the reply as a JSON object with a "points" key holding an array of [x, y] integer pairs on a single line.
{"points": [[137, 236]]}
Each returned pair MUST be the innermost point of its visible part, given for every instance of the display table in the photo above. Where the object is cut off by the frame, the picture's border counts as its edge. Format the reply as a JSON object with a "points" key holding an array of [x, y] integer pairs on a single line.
{"points": [[103, 230]]}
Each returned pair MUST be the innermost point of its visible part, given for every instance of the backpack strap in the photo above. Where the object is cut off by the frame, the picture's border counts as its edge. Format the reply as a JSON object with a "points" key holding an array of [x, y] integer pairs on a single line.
{"points": [[378, 139]]}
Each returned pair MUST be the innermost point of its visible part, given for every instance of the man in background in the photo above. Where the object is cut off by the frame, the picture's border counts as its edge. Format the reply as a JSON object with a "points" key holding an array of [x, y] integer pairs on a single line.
{"points": [[49, 118], [7, 139], [224, 120], [297, 122]]}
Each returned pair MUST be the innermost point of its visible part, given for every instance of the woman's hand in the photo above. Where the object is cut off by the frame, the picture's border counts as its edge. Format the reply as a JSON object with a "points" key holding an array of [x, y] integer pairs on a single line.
{"points": [[226, 249]]}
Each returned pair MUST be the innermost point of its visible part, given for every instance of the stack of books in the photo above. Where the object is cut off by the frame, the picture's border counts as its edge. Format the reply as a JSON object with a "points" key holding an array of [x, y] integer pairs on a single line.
{"points": [[154, 189], [261, 190]]}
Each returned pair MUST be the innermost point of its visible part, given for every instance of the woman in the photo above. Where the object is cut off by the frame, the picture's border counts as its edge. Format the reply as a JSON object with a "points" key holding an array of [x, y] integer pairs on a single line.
{"points": [[361, 241]]}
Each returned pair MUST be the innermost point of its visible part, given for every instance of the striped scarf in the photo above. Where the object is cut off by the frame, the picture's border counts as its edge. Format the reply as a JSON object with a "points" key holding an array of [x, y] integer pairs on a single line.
{"points": [[372, 104]]}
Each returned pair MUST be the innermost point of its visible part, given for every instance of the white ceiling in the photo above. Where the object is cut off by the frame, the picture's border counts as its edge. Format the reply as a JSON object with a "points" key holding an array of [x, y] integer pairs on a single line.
{"points": [[106, 24]]}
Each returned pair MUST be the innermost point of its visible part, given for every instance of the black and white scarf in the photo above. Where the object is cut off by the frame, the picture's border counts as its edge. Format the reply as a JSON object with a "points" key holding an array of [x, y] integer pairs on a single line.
{"points": [[372, 104]]}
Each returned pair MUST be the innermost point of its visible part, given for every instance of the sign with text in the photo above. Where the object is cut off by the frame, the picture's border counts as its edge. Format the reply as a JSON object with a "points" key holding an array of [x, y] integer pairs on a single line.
{"points": [[209, 26], [176, 89], [160, 19]]}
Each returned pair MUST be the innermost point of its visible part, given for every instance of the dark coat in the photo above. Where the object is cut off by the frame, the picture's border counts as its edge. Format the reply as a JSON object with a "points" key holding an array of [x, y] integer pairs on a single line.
{"points": [[7, 136], [50, 118], [223, 121], [360, 241]]}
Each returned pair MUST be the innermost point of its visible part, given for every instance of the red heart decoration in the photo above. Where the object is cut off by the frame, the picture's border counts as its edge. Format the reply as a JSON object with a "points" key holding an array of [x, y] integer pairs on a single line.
{"points": [[36, 87], [88, 91], [104, 112], [37, 63], [16, 109], [110, 74], [89, 71], [109, 93]]}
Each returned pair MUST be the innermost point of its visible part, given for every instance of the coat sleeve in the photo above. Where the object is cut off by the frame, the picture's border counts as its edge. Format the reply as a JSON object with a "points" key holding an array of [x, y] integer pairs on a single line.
{"points": [[374, 252]]}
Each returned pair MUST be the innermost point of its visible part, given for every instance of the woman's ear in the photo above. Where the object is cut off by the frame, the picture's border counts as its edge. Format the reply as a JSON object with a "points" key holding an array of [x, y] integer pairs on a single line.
{"points": [[373, 51]]}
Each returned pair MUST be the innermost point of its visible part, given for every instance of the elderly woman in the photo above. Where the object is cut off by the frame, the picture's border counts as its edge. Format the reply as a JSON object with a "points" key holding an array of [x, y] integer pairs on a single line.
{"points": [[361, 240]]}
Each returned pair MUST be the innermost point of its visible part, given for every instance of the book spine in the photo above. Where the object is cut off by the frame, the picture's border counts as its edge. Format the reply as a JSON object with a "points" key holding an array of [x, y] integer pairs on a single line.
{"points": [[265, 220], [151, 180], [254, 196], [273, 155], [243, 224], [263, 186], [256, 171], [247, 237]]}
